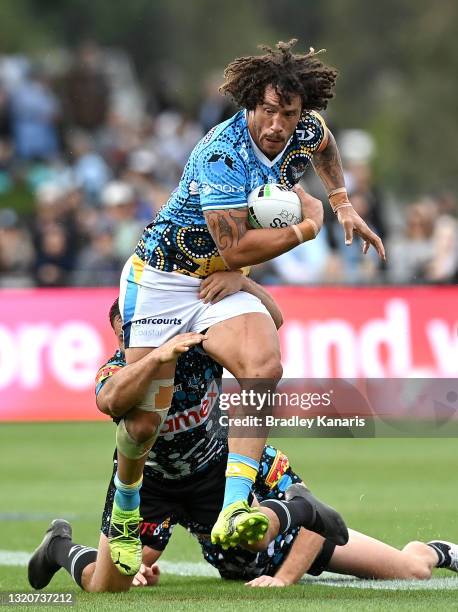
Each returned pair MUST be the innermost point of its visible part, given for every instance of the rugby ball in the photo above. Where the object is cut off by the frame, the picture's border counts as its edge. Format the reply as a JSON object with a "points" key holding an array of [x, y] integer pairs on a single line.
{"points": [[273, 206]]}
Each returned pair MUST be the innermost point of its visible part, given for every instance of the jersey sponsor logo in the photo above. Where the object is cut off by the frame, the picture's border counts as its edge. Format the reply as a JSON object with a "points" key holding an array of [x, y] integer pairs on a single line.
{"points": [[193, 188], [192, 417], [209, 187]]}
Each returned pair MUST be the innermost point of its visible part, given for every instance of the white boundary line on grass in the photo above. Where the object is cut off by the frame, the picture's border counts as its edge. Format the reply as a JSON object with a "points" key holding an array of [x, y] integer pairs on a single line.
{"points": [[15, 558]]}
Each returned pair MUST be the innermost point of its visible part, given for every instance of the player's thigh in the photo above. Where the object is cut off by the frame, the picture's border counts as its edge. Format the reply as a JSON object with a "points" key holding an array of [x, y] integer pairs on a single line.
{"points": [[247, 345], [164, 371], [106, 578]]}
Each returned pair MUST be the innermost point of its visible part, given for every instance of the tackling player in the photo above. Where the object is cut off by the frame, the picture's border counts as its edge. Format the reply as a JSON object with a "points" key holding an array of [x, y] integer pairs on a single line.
{"points": [[203, 228], [184, 473]]}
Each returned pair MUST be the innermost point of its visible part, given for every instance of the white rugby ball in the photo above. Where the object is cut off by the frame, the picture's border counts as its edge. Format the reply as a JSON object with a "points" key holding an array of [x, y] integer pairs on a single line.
{"points": [[273, 206]]}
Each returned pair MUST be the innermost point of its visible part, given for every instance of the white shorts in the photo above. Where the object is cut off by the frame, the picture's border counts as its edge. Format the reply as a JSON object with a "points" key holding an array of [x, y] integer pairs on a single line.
{"points": [[156, 306]]}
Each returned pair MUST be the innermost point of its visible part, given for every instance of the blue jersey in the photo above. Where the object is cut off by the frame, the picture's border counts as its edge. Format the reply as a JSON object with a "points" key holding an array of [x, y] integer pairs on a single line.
{"points": [[192, 437], [223, 169]]}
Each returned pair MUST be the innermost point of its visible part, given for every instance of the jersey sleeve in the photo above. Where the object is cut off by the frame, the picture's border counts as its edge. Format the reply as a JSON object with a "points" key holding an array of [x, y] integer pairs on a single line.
{"points": [[107, 370], [312, 132], [222, 178], [322, 131]]}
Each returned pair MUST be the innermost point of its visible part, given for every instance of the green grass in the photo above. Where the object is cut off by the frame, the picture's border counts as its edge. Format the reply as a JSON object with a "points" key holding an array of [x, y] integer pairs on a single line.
{"points": [[393, 489]]}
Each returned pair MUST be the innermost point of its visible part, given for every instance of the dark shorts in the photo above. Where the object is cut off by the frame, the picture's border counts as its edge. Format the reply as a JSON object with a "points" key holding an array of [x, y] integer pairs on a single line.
{"points": [[195, 503]]}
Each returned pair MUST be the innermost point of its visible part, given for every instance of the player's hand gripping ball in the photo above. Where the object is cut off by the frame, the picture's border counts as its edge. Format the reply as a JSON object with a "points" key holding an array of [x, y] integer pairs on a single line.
{"points": [[273, 206]]}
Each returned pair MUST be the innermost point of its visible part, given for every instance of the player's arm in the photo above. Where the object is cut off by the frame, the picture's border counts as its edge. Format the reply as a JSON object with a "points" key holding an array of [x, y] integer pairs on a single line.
{"points": [[221, 284], [129, 384], [328, 166], [250, 286], [241, 246], [304, 551]]}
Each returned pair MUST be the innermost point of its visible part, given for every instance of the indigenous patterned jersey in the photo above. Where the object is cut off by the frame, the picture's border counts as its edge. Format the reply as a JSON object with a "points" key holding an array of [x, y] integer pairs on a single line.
{"points": [[191, 438], [223, 169]]}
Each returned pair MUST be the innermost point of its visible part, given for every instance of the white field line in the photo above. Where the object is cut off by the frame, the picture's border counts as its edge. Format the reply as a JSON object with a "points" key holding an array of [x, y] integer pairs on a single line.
{"points": [[200, 569]]}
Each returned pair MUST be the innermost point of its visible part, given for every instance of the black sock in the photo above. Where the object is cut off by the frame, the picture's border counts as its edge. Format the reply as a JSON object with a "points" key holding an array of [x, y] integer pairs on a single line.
{"points": [[72, 557], [293, 513], [443, 553]]}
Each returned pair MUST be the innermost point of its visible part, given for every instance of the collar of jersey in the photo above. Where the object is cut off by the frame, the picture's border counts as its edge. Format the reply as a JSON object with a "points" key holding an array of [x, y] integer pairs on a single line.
{"points": [[259, 154]]}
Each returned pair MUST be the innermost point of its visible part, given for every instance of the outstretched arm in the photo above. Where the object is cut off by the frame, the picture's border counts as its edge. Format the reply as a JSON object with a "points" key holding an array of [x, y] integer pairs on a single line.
{"points": [[303, 552], [328, 166]]}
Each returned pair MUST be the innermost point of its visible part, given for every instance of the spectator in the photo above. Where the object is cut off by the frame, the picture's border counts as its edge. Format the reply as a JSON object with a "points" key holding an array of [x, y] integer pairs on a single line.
{"points": [[120, 207], [54, 258], [140, 174], [90, 171], [97, 265], [16, 251], [34, 114], [443, 266], [85, 90], [412, 252]]}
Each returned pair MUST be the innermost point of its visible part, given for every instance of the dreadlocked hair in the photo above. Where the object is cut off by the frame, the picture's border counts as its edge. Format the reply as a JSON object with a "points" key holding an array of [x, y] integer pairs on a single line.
{"points": [[246, 78]]}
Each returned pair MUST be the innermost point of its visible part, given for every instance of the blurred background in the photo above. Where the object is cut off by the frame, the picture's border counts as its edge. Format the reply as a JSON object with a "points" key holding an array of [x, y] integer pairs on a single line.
{"points": [[101, 106]]}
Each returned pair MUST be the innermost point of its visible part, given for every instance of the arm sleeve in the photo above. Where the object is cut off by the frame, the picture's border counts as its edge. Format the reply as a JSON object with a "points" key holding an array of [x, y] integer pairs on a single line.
{"points": [[315, 124], [222, 179], [104, 373]]}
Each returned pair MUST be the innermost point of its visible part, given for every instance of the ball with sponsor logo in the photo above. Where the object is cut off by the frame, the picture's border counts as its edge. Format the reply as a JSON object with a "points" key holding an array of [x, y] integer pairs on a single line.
{"points": [[273, 206]]}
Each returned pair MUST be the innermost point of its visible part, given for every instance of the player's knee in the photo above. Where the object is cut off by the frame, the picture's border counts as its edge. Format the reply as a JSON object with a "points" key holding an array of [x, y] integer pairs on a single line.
{"points": [[415, 565], [266, 369], [143, 427]]}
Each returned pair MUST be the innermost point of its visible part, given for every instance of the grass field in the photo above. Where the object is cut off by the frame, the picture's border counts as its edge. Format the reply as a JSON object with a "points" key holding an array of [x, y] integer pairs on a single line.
{"points": [[393, 489]]}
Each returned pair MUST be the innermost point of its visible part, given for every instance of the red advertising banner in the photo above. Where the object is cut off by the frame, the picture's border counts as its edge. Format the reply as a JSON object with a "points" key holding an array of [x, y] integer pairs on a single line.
{"points": [[53, 341]]}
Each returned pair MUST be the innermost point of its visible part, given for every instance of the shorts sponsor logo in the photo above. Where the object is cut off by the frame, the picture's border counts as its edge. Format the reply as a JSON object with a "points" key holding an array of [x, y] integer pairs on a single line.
{"points": [[154, 529], [157, 321]]}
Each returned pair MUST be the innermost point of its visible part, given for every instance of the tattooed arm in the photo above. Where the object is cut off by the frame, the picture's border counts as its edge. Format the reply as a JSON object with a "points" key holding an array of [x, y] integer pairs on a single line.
{"points": [[328, 166], [241, 246]]}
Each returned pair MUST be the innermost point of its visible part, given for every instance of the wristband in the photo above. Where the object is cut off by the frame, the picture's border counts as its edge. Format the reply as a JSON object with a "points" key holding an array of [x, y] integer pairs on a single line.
{"points": [[301, 236], [298, 233], [338, 198], [339, 206]]}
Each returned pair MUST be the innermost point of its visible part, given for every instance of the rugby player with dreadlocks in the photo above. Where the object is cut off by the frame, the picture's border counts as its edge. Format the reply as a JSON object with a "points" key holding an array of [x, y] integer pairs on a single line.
{"points": [[203, 228]]}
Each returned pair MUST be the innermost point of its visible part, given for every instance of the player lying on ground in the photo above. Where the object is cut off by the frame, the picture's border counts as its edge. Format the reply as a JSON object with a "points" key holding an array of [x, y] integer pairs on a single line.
{"points": [[204, 228], [288, 557], [184, 472]]}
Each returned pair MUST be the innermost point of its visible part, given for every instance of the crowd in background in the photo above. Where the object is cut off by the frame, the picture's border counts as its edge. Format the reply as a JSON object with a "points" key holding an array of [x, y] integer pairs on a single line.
{"points": [[87, 159]]}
